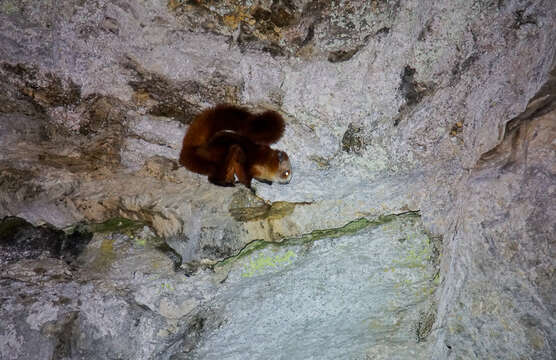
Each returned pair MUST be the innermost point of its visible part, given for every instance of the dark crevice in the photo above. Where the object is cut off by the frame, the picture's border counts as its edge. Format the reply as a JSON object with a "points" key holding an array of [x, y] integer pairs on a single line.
{"points": [[310, 35], [412, 90], [383, 31], [520, 19], [342, 55], [22, 240], [408, 86]]}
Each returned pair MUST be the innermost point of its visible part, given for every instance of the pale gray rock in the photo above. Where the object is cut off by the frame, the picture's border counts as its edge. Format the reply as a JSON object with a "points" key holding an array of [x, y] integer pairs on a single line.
{"points": [[299, 301], [440, 109]]}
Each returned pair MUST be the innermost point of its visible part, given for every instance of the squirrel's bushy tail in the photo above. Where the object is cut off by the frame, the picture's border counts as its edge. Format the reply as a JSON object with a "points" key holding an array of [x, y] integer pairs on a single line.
{"points": [[266, 128]]}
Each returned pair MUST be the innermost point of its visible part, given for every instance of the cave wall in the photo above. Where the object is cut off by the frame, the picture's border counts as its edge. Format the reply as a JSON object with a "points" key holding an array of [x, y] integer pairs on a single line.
{"points": [[443, 111]]}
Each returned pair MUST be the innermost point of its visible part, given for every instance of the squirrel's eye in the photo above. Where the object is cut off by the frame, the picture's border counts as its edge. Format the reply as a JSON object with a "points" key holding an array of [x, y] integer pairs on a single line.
{"points": [[286, 174]]}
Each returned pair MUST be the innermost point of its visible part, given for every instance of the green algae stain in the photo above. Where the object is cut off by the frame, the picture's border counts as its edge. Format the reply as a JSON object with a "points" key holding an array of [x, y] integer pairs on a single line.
{"points": [[167, 286], [350, 228], [105, 256], [256, 245], [142, 242], [117, 224], [418, 256], [107, 248], [260, 263], [114, 225]]}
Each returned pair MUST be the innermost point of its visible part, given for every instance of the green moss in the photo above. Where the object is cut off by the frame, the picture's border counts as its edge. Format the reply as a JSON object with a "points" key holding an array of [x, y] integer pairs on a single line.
{"points": [[350, 228], [248, 249], [118, 224]]}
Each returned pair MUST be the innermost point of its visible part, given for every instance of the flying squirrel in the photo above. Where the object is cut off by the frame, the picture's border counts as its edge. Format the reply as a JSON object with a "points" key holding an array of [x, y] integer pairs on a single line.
{"points": [[227, 142]]}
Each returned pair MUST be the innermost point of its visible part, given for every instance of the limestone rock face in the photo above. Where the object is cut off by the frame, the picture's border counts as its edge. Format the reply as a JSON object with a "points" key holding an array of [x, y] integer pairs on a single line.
{"points": [[419, 222]]}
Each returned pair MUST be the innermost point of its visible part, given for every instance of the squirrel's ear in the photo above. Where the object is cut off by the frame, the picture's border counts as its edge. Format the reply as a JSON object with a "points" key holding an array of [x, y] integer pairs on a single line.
{"points": [[282, 156]]}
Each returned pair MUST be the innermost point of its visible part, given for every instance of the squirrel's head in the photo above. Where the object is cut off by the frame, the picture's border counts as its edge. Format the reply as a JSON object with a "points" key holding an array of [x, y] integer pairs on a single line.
{"points": [[273, 167], [284, 173]]}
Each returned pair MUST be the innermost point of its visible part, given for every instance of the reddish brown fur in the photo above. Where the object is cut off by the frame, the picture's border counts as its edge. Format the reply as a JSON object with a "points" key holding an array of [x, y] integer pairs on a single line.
{"points": [[228, 140]]}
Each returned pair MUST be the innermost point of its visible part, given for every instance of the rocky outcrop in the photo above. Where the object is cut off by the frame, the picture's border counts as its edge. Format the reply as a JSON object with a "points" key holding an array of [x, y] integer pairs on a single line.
{"points": [[418, 223]]}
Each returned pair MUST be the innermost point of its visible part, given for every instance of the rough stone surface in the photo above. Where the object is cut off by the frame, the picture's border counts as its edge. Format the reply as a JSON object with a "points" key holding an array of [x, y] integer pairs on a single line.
{"points": [[300, 299], [441, 109]]}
